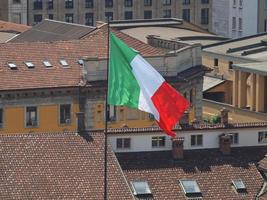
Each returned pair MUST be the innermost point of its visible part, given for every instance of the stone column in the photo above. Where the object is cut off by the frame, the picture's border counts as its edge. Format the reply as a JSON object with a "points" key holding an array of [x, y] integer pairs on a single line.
{"points": [[259, 93], [253, 92], [235, 88], [242, 89]]}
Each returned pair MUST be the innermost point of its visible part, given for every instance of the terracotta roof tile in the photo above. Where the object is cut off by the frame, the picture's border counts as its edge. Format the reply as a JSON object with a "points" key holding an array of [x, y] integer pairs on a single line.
{"points": [[212, 171], [39, 77], [58, 166], [13, 27]]}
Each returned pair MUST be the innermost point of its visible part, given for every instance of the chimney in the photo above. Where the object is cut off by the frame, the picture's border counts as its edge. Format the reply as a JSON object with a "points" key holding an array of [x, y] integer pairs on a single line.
{"points": [[225, 144], [178, 148], [224, 115], [81, 122], [185, 119]]}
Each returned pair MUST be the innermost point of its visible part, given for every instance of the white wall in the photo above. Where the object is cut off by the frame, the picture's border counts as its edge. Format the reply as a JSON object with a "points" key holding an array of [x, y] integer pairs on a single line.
{"points": [[142, 142]]}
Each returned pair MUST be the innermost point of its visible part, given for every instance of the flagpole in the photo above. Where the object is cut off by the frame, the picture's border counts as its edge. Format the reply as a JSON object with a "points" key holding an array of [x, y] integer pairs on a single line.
{"points": [[106, 125]]}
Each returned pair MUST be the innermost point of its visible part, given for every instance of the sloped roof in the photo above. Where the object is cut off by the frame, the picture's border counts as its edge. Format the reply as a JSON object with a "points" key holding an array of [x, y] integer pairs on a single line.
{"points": [[263, 163], [51, 30], [212, 171], [94, 45], [58, 166], [13, 27]]}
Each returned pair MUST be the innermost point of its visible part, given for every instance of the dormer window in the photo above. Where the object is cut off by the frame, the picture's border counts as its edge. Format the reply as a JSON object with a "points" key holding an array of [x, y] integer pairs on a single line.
{"points": [[47, 63], [12, 65], [140, 188], [190, 188], [239, 185], [29, 64], [64, 63]]}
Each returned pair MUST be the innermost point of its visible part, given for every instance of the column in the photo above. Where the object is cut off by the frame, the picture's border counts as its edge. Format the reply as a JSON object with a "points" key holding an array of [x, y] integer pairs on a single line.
{"points": [[242, 89], [253, 92], [259, 93], [235, 88]]}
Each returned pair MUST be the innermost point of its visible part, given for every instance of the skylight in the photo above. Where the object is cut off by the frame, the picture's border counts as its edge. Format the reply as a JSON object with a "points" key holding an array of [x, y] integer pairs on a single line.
{"points": [[190, 187], [140, 188], [239, 185], [29, 64], [64, 63], [47, 63], [12, 65], [80, 61]]}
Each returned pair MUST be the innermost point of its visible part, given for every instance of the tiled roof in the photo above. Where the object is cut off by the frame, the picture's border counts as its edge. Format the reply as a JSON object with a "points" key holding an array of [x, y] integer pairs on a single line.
{"points": [[13, 27], [188, 127], [209, 168], [95, 45], [58, 166]]}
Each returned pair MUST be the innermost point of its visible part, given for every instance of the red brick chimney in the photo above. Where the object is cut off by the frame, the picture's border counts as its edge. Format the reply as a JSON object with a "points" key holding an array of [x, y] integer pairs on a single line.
{"points": [[224, 115], [178, 148], [225, 144]]}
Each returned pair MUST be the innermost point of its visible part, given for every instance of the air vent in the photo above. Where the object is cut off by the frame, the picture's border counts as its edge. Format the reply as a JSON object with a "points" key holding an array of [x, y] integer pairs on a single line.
{"points": [[29, 64], [12, 65], [47, 63]]}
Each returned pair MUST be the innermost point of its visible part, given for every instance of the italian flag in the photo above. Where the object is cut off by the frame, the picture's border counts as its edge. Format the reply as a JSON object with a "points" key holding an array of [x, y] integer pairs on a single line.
{"points": [[134, 83]]}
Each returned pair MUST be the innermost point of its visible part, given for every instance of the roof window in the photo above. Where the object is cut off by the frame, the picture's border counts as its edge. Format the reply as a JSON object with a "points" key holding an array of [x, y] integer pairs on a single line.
{"points": [[239, 185], [12, 65], [63, 63], [140, 188], [29, 64], [80, 61], [190, 188], [47, 63]]}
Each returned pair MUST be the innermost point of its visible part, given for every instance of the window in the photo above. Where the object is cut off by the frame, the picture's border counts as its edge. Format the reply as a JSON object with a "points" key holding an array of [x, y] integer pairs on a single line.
{"points": [[37, 18], [166, 2], [205, 1], [158, 141], [234, 3], [63, 63], [230, 65], [47, 63], [234, 23], [80, 62], [1, 117], [89, 3], [190, 187], [204, 16], [123, 143], [50, 16], [262, 137], [128, 3], [111, 113], [68, 3], [65, 113], [167, 13], [186, 2], [240, 3], [31, 116], [50, 5], [147, 2], [12, 65], [16, 1], [239, 185], [147, 14], [186, 14], [109, 16], [140, 188], [128, 15], [234, 138], [69, 18], [29, 64], [108, 3], [240, 25], [196, 140], [38, 5], [216, 62], [89, 19]]}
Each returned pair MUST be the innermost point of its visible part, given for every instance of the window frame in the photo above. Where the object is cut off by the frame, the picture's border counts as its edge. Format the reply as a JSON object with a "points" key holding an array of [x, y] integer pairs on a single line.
{"points": [[146, 14], [89, 3], [186, 2], [234, 138], [167, 13], [123, 143], [147, 2], [196, 140], [68, 16], [38, 5], [166, 2], [50, 5], [128, 3], [205, 16], [29, 123], [69, 4], [110, 17], [263, 137], [186, 12], [64, 120], [35, 16], [158, 141], [89, 16], [109, 4], [128, 12]]}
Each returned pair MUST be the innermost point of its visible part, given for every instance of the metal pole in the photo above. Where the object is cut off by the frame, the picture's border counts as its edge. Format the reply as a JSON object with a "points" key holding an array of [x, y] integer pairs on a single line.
{"points": [[106, 125]]}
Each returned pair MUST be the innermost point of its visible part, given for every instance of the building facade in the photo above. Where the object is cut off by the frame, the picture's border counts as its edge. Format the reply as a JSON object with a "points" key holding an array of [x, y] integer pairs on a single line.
{"points": [[89, 11]]}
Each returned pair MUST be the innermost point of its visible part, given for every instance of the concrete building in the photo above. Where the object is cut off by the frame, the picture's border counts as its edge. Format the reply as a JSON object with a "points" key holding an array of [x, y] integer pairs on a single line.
{"points": [[235, 18], [89, 11]]}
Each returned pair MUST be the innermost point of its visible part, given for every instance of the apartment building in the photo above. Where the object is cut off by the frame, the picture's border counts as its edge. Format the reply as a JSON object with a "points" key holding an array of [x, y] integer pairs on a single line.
{"points": [[89, 11]]}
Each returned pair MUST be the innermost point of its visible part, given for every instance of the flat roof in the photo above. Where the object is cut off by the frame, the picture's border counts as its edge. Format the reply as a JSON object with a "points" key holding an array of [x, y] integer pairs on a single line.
{"points": [[258, 67], [211, 82]]}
